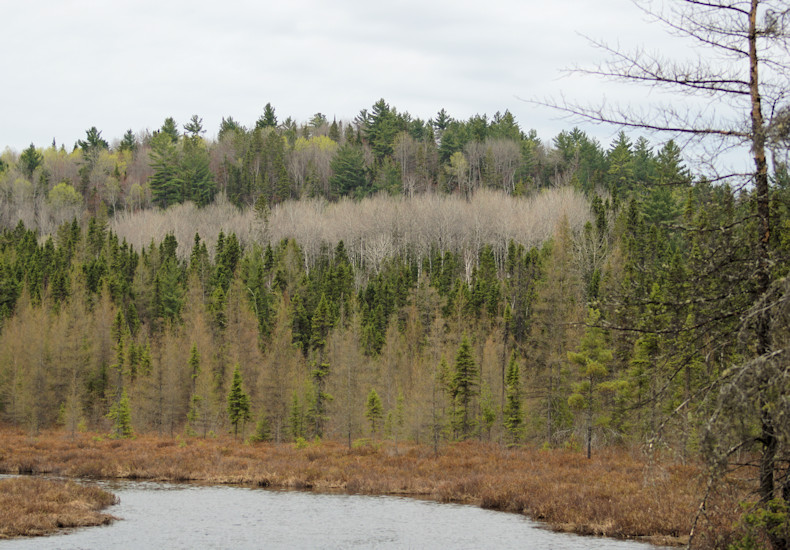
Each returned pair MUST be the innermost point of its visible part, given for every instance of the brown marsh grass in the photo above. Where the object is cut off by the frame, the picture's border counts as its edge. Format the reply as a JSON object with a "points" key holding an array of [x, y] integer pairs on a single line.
{"points": [[33, 506], [618, 493]]}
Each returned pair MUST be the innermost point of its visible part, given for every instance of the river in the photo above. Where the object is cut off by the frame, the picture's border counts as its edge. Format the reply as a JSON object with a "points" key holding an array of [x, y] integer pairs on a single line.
{"points": [[174, 516]]}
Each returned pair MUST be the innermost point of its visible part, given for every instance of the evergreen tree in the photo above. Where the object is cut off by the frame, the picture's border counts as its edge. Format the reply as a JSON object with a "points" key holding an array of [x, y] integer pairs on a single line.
{"points": [[592, 359], [194, 171], [128, 142], [380, 128], [348, 172], [276, 184], [268, 119], [121, 416], [169, 129], [465, 385], [373, 410], [263, 430], [488, 411], [194, 366], [621, 170], [296, 417], [194, 127], [238, 403], [165, 182], [92, 142], [322, 323], [29, 160], [513, 415]]}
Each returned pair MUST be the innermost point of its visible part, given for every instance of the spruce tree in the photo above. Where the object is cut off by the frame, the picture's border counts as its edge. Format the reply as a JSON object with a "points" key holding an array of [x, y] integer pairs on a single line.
{"points": [[238, 403], [513, 416], [464, 389], [373, 410], [121, 416], [322, 323]]}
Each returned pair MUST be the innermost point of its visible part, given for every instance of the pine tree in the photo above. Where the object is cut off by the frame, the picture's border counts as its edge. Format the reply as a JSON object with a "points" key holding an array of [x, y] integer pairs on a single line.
{"points": [[238, 403], [29, 160], [348, 172]]}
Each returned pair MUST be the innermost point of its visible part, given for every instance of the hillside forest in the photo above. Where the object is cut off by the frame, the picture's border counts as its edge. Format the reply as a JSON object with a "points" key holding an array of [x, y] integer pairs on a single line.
{"points": [[386, 277]]}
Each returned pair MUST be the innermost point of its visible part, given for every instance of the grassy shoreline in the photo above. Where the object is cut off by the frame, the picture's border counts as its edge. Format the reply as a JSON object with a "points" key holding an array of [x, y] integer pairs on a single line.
{"points": [[617, 493], [34, 506]]}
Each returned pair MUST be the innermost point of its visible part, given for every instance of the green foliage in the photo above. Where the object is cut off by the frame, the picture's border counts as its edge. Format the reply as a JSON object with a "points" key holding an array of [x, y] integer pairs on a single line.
{"points": [[121, 417], [268, 119], [128, 142], [592, 359], [488, 411], [238, 402], [263, 431], [349, 175], [465, 388], [29, 160], [513, 415], [296, 418], [165, 183], [762, 524], [194, 174], [169, 130], [93, 141], [64, 196], [374, 410]]}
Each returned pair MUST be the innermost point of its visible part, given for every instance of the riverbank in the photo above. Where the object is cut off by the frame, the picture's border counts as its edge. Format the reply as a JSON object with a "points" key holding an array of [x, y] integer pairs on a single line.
{"points": [[34, 506], [617, 493]]}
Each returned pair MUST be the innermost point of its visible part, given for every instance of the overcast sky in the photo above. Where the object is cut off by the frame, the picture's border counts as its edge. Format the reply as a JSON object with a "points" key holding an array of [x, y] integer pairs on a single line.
{"points": [[128, 64]]}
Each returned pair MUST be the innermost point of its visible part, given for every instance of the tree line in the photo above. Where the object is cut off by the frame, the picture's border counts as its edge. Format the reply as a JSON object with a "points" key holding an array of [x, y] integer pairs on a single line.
{"points": [[382, 150]]}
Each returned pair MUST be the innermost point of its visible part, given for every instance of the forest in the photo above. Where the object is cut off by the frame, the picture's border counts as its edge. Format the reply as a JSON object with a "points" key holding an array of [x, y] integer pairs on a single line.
{"points": [[391, 278], [386, 277], [455, 284]]}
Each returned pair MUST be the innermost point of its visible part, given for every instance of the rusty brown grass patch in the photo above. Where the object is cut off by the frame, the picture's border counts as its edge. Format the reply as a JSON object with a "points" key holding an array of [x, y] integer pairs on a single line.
{"points": [[618, 493], [34, 506]]}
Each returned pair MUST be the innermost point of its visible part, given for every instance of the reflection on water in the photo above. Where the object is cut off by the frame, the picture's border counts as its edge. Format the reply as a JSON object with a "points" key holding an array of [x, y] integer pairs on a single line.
{"points": [[156, 515]]}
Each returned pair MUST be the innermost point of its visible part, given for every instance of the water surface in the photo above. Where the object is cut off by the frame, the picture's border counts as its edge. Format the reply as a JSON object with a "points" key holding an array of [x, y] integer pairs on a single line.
{"points": [[173, 516]]}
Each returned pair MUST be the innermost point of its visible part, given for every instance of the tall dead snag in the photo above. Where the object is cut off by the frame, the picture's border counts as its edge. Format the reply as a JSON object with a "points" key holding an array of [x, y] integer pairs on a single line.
{"points": [[737, 74]]}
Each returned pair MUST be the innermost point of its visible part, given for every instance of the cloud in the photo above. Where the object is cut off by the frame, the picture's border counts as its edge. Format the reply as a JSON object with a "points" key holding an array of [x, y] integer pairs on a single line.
{"points": [[120, 65]]}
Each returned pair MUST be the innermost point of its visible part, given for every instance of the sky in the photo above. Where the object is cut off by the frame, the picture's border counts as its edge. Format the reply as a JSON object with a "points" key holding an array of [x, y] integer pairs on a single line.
{"points": [[129, 64]]}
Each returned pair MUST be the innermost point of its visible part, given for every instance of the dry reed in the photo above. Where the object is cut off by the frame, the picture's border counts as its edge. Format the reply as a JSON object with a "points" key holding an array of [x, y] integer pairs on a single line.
{"points": [[616, 494], [35, 506]]}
